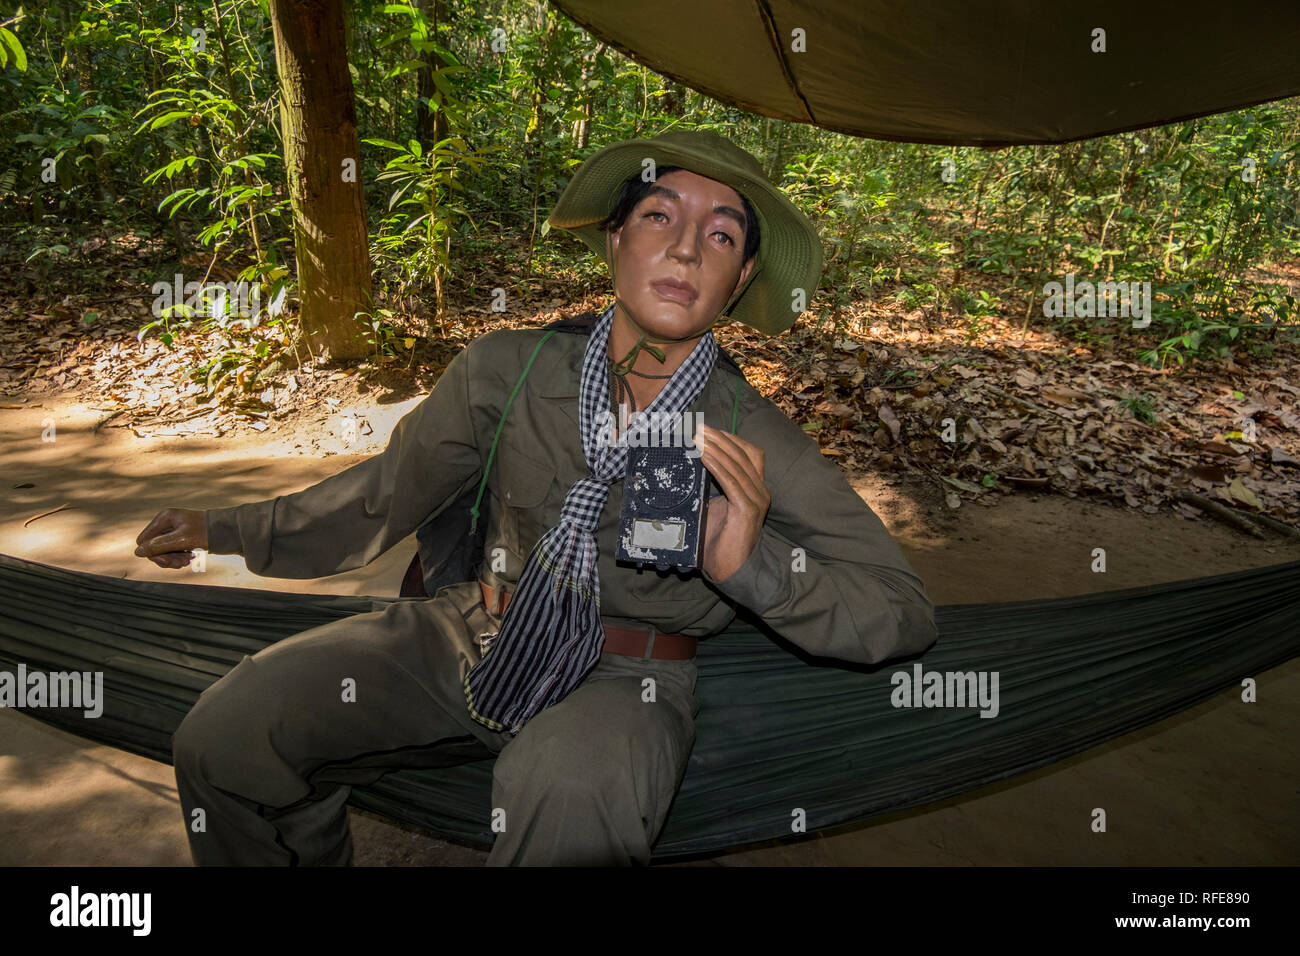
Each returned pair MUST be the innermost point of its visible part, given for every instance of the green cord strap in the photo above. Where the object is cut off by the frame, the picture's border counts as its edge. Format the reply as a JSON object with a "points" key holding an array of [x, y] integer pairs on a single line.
{"points": [[482, 485], [473, 525]]}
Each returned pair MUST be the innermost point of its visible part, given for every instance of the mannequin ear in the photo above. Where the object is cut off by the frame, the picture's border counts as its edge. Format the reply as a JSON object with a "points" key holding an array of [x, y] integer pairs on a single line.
{"points": [[745, 272], [742, 284]]}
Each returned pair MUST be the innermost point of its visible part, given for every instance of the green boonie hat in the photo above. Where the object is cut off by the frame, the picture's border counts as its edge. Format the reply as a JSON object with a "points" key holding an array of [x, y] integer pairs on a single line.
{"points": [[789, 255]]}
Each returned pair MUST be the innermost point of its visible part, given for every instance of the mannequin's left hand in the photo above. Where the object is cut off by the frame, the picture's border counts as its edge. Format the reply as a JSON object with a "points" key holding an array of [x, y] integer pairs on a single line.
{"points": [[734, 523]]}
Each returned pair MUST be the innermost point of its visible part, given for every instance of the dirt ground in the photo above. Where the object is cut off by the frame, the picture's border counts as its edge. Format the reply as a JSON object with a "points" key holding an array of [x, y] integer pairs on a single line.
{"points": [[1215, 785]]}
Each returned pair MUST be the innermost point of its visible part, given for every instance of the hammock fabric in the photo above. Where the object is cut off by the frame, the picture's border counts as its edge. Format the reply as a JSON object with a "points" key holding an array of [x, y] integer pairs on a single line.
{"points": [[777, 730]]}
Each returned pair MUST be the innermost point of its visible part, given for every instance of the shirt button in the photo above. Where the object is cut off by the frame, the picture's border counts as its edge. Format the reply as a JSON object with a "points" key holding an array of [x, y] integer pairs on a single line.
{"points": [[507, 496]]}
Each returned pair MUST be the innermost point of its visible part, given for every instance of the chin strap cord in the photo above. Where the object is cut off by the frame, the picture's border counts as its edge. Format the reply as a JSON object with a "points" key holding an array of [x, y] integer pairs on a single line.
{"points": [[624, 365], [620, 391]]}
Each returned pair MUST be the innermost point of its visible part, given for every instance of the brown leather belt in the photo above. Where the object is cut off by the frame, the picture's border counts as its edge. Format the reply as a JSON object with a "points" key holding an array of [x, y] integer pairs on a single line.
{"points": [[639, 642]]}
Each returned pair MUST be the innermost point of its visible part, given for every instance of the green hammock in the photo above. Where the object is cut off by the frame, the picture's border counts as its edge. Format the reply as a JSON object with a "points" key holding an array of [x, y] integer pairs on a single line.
{"points": [[777, 730]]}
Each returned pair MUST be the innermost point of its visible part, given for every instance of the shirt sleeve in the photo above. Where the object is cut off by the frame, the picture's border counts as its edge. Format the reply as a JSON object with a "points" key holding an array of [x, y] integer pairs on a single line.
{"points": [[349, 519], [825, 573]]}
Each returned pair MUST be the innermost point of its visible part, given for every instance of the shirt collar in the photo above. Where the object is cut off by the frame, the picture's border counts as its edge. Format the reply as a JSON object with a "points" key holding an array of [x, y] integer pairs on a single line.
{"points": [[560, 381]]}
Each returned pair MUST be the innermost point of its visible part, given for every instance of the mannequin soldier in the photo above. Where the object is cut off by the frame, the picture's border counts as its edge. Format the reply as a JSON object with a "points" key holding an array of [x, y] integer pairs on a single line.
{"points": [[544, 660]]}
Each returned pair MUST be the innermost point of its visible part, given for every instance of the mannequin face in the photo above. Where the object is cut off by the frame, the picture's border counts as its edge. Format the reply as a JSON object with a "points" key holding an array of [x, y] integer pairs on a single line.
{"points": [[691, 229]]}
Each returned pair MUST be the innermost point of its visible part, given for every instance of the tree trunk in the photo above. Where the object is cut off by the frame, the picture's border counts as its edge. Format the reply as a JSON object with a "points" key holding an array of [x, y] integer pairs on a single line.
{"points": [[430, 127], [673, 102], [582, 129], [542, 79], [241, 140], [534, 158], [318, 122]]}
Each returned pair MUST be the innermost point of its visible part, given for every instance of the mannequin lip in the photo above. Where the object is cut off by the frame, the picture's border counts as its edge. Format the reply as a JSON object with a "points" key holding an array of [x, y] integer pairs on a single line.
{"points": [[675, 290]]}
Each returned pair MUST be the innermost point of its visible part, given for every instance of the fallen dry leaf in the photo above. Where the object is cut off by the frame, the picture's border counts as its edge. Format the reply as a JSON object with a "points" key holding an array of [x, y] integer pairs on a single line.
{"points": [[1243, 494]]}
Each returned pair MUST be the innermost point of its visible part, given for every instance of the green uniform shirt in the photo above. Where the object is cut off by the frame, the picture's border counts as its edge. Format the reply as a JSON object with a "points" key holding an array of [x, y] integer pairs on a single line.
{"points": [[825, 574]]}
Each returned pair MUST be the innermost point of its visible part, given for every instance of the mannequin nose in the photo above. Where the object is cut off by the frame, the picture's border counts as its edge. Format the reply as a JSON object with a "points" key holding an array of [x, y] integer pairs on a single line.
{"points": [[685, 245]]}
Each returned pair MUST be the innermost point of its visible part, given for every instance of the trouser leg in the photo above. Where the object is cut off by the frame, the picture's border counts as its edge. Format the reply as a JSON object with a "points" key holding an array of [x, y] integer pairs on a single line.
{"points": [[588, 782], [269, 753]]}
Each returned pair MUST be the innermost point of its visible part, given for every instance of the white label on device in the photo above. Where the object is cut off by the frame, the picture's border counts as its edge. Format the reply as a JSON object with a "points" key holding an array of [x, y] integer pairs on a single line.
{"points": [[668, 535]]}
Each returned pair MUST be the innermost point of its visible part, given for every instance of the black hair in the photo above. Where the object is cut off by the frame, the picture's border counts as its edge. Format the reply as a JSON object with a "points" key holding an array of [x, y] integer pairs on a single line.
{"points": [[635, 189]]}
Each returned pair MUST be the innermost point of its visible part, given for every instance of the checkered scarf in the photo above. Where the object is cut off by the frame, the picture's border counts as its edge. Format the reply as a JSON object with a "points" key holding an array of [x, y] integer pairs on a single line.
{"points": [[551, 635]]}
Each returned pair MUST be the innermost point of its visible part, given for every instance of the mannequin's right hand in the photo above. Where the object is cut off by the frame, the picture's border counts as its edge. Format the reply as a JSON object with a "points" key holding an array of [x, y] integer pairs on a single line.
{"points": [[169, 538]]}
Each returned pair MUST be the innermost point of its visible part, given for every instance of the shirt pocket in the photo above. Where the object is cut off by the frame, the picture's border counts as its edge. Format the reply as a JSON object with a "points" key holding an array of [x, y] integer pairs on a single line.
{"points": [[524, 484], [672, 594]]}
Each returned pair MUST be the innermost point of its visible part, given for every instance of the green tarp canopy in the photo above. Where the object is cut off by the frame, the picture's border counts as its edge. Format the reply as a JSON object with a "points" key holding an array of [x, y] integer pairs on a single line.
{"points": [[776, 729], [994, 73]]}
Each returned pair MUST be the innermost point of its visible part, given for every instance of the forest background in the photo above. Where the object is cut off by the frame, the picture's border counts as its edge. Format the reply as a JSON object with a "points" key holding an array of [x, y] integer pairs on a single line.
{"points": [[143, 149]]}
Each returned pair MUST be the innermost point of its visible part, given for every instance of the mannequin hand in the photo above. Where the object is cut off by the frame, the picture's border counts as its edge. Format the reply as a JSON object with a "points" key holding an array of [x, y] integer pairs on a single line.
{"points": [[735, 522], [169, 538]]}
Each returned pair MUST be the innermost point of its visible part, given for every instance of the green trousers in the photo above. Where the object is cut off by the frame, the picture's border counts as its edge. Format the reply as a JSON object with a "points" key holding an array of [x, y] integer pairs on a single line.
{"points": [[269, 752]]}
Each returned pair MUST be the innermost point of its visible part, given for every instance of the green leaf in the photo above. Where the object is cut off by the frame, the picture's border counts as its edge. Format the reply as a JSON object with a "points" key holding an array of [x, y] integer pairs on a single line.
{"points": [[397, 37], [7, 39], [407, 66], [168, 118], [444, 87], [176, 165], [386, 143], [398, 194], [415, 222]]}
